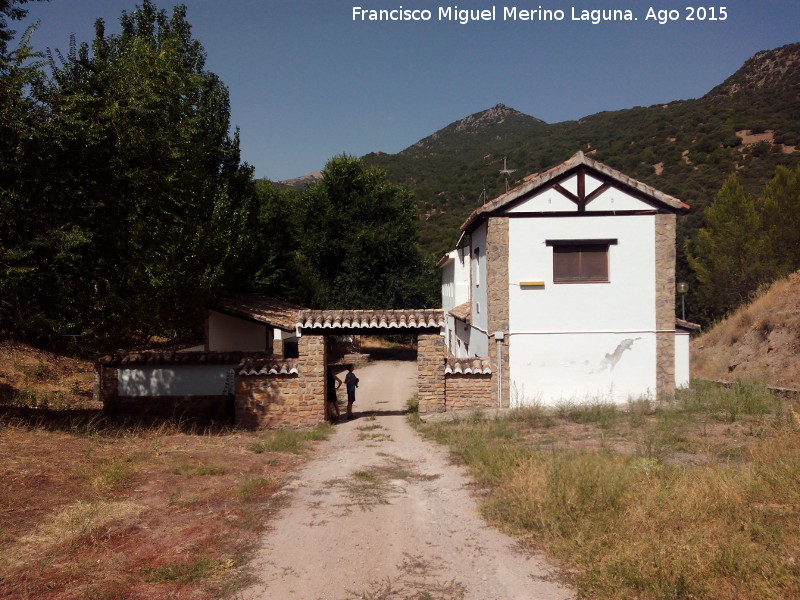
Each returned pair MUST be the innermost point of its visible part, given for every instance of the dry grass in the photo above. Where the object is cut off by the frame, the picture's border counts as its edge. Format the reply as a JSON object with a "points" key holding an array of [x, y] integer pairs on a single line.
{"points": [[95, 509], [760, 339], [698, 499], [143, 514]]}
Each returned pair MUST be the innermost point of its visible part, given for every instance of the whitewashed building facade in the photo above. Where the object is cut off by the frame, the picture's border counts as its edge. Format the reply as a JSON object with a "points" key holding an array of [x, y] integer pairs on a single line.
{"points": [[567, 282]]}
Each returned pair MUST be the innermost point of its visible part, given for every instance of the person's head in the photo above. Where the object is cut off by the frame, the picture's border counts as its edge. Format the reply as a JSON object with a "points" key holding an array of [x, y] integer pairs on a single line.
{"points": [[350, 368]]}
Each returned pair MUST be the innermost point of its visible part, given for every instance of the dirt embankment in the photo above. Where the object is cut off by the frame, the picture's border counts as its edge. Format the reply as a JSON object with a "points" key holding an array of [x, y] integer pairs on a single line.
{"points": [[761, 340]]}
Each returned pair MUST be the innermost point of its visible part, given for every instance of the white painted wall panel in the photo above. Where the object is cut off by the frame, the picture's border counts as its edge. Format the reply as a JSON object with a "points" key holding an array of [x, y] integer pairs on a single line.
{"points": [[682, 373], [228, 334], [554, 368], [174, 380], [478, 284], [626, 303], [614, 199], [548, 201]]}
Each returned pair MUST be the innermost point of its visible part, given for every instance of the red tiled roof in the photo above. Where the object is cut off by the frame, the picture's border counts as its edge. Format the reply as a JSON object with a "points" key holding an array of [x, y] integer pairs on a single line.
{"points": [[468, 366], [150, 358], [372, 319], [463, 312], [681, 324], [534, 182], [268, 366], [260, 308]]}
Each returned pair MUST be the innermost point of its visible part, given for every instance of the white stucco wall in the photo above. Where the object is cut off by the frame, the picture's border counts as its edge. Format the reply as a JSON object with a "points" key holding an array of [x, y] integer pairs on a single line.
{"points": [[582, 340], [174, 380], [228, 334], [478, 339], [682, 374], [455, 291]]}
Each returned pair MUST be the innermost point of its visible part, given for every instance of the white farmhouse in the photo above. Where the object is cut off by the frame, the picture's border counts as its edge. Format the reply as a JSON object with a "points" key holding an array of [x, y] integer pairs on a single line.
{"points": [[567, 283]]}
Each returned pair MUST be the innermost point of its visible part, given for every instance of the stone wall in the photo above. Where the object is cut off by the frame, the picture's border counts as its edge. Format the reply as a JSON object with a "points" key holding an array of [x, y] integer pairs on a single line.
{"points": [[665, 306], [469, 392], [295, 401], [497, 269], [430, 372], [217, 409]]}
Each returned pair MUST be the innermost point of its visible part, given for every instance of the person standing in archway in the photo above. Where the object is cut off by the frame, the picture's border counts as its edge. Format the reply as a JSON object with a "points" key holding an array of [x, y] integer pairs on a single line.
{"points": [[331, 403], [351, 381]]}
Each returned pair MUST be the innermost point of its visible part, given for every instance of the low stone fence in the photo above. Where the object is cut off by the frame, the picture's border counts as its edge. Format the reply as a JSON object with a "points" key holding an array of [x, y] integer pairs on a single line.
{"points": [[174, 385], [273, 394], [261, 391]]}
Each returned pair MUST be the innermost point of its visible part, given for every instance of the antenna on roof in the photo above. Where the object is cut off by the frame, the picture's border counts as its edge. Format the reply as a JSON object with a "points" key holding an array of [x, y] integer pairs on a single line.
{"points": [[506, 171]]}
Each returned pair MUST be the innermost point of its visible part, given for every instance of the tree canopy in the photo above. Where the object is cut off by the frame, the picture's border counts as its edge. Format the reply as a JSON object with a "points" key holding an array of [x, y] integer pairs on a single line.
{"points": [[130, 205]]}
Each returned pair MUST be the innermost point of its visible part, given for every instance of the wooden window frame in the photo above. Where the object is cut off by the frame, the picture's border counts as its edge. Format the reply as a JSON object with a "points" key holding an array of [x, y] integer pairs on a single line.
{"points": [[576, 245]]}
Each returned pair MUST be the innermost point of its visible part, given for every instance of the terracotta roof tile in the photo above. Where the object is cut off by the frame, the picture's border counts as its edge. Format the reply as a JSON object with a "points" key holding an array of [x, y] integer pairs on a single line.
{"points": [[681, 324], [372, 319], [260, 308], [268, 366], [463, 312], [150, 358], [468, 366]]}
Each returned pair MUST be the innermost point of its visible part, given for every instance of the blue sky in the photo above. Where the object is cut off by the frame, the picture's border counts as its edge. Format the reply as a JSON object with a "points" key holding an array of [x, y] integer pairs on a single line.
{"points": [[308, 82]]}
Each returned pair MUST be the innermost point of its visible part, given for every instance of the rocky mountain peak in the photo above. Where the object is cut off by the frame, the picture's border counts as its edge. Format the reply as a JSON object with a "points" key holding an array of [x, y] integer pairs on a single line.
{"points": [[778, 69], [492, 116]]}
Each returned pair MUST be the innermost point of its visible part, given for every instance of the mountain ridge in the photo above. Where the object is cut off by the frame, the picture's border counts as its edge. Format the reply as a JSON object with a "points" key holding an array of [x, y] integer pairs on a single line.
{"points": [[686, 148]]}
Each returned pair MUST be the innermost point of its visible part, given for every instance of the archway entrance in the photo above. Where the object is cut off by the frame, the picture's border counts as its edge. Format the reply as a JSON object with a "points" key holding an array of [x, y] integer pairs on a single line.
{"points": [[425, 325]]}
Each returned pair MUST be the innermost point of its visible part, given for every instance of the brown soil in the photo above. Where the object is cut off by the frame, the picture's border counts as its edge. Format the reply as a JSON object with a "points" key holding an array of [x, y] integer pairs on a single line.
{"points": [[94, 509], [760, 340]]}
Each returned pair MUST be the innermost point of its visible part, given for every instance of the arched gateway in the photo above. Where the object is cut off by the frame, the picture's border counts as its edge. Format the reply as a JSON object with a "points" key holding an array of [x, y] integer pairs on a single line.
{"points": [[263, 363], [279, 392]]}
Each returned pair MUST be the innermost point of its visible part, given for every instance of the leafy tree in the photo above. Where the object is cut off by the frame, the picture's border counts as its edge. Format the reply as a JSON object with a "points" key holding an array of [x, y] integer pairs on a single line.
{"points": [[358, 245], [727, 254], [136, 206], [780, 209], [20, 115], [10, 9]]}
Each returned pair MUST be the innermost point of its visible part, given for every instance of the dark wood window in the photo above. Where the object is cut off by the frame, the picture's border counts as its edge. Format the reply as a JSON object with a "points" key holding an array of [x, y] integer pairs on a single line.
{"points": [[580, 260]]}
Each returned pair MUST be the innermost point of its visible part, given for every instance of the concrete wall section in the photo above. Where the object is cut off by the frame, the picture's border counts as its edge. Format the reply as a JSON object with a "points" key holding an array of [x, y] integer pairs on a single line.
{"points": [[582, 341], [175, 380]]}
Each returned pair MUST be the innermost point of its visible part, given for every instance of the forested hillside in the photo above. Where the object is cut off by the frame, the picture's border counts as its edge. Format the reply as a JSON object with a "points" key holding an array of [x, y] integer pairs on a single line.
{"points": [[125, 205], [747, 125]]}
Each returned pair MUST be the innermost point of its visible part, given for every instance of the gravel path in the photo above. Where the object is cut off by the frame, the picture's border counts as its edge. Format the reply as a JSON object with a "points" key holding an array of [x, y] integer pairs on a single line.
{"points": [[381, 513]]}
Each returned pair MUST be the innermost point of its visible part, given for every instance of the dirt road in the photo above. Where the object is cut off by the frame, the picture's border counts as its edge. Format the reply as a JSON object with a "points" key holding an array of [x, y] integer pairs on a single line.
{"points": [[382, 514]]}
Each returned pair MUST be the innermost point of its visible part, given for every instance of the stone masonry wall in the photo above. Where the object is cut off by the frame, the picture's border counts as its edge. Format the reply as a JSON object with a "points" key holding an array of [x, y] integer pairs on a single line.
{"points": [[469, 392], [498, 312], [105, 384], [665, 306], [294, 401], [218, 409], [430, 372]]}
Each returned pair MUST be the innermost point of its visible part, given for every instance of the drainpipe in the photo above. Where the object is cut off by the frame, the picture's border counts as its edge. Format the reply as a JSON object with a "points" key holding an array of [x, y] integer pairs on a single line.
{"points": [[499, 336]]}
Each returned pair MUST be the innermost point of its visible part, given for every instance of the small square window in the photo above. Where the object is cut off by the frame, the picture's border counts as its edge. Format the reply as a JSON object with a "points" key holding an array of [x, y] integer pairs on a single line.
{"points": [[580, 261]]}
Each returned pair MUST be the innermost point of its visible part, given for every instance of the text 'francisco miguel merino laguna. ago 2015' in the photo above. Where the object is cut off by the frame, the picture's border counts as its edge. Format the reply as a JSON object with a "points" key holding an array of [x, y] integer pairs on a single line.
{"points": [[514, 13]]}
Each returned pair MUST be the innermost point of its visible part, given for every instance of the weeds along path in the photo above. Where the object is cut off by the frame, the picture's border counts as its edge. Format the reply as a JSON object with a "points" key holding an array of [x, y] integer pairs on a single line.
{"points": [[381, 513]]}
